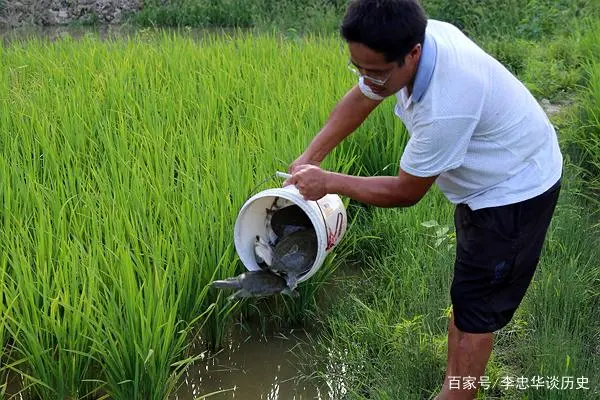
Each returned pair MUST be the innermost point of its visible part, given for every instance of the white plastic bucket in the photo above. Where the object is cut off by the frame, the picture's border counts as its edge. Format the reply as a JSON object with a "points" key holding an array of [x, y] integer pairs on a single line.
{"points": [[328, 216]]}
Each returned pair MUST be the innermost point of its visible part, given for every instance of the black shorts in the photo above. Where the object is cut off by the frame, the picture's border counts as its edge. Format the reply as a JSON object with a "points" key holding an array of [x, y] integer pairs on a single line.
{"points": [[497, 251]]}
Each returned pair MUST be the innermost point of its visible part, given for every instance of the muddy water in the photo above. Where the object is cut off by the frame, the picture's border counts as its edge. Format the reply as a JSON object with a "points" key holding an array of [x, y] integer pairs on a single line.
{"points": [[13, 387], [249, 369], [254, 369]]}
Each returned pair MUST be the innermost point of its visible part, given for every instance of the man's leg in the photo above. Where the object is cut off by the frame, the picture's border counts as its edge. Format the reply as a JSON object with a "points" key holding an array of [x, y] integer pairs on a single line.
{"points": [[498, 249], [468, 354]]}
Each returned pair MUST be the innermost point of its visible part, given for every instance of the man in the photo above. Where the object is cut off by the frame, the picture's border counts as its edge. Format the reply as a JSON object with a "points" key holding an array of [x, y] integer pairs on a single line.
{"points": [[478, 133]]}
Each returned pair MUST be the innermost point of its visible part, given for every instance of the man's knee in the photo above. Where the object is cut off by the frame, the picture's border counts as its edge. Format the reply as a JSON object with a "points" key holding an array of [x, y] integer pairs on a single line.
{"points": [[468, 341]]}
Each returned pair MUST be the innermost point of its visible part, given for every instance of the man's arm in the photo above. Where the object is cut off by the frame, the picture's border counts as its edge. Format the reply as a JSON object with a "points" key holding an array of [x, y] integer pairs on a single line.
{"points": [[402, 190], [348, 114]]}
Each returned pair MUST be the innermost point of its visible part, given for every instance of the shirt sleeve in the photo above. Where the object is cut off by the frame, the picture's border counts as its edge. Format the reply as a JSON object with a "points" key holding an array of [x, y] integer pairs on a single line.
{"points": [[438, 146]]}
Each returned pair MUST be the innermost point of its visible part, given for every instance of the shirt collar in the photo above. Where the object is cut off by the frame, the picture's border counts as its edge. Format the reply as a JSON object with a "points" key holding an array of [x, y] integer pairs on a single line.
{"points": [[425, 68]]}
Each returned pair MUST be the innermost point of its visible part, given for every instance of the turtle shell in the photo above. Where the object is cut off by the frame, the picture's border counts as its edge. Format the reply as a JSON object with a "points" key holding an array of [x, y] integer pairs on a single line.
{"points": [[295, 253], [288, 220], [261, 282]]}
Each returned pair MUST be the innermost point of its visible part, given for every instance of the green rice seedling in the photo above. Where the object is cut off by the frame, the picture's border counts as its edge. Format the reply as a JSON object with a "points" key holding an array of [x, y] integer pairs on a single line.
{"points": [[377, 145], [126, 166], [50, 323], [142, 344]]}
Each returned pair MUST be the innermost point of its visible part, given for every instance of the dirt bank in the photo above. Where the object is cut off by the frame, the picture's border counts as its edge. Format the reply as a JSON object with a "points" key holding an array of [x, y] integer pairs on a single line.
{"points": [[15, 13]]}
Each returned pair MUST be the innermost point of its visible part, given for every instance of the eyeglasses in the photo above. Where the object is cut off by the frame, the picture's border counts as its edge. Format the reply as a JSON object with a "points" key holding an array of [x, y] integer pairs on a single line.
{"points": [[379, 81]]}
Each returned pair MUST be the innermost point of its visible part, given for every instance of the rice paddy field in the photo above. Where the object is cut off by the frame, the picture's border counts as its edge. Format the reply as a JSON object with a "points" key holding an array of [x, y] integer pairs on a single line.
{"points": [[123, 165]]}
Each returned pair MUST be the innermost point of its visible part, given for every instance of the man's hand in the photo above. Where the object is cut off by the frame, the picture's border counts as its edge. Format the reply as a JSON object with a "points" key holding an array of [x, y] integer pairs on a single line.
{"points": [[310, 180], [302, 160]]}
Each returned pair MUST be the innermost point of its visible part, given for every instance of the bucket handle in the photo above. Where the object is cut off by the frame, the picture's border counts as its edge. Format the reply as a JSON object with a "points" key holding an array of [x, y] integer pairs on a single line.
{"points": [[282, 175], [278, 174]]}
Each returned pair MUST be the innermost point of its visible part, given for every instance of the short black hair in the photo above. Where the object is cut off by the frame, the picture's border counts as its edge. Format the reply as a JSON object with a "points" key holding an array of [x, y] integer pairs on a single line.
{"points": [[390, 27]]}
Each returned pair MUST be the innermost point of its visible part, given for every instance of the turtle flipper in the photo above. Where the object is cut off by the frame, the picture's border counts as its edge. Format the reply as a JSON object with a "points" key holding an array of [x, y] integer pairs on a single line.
{"points": [[291, 293], [239, 294], [292, 281]]}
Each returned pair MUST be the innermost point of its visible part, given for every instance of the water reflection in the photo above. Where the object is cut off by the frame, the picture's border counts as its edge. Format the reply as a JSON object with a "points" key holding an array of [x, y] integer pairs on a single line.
{"points": [[335, 373], [107, 32], [257, 369], [52, 33]]}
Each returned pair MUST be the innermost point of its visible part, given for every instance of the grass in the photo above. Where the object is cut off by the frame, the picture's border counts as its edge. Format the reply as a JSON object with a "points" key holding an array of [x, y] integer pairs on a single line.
{"points": [[588, 137], [387, 332], [305, 16], [530, 20]]}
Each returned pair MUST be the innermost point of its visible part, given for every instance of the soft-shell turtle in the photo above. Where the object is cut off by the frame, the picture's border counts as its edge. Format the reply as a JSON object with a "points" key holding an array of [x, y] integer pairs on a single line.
{"points": [[288, 220], [255, 284], [294, 254]]}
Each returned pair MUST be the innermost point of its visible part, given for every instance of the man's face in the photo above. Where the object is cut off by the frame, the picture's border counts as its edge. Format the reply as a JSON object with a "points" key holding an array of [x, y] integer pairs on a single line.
{"points": [[388, 77]]}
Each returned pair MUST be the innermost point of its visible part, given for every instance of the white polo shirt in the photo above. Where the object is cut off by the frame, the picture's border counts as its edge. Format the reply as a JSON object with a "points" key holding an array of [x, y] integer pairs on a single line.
{"points": [[475, 125]]}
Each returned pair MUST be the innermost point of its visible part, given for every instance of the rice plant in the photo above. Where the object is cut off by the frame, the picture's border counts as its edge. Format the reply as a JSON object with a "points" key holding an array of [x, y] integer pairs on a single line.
{"points": [[123, 168]]}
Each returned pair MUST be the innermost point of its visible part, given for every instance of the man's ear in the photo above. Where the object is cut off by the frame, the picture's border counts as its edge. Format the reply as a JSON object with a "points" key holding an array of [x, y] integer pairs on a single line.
{"points": [[412, 56], [415, 52]]}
